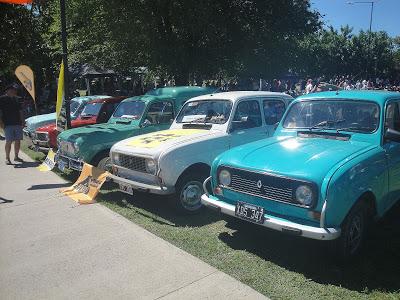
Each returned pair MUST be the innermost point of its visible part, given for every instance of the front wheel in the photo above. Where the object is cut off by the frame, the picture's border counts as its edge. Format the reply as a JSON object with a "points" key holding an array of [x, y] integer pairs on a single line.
{"points": [[354, 230], [188, 193]]}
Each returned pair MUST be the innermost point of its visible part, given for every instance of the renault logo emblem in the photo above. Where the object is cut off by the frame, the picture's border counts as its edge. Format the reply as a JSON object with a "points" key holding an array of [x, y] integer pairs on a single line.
{"points": [[259, 184]]}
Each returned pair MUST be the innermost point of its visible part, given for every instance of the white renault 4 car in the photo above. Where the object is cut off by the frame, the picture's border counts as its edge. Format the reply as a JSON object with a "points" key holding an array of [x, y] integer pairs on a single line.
{"points": [[177, 161]]}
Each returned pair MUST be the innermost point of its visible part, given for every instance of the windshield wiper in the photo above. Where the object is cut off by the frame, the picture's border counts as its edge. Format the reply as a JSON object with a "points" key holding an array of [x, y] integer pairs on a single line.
{"points": [[326, 124]]}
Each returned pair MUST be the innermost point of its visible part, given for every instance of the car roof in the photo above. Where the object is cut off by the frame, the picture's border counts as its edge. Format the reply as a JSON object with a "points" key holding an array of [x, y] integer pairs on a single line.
{"points": [[173, 91], [170, 92], [379, 97], [89, 98], [237, 95], [108, 100]]}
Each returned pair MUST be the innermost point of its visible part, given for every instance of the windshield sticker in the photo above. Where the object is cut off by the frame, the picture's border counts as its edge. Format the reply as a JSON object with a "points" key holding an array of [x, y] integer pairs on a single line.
{"points": [[154, 140], [191, 118]]}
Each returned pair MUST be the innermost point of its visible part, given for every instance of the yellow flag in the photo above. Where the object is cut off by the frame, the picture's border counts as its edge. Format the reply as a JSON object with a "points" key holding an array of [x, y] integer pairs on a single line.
{"points": [[25, 75], [48, 163], [60, 91], [87, 186]]}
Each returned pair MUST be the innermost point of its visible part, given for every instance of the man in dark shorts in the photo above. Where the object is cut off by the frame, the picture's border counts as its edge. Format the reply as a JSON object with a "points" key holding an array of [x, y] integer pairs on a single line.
{"points": [[12, 121]]}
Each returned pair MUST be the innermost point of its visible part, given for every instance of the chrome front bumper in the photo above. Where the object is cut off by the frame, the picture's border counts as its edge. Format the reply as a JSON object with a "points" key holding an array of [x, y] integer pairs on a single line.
{"points": [[70, 163], [143, 187], [278, 224]]}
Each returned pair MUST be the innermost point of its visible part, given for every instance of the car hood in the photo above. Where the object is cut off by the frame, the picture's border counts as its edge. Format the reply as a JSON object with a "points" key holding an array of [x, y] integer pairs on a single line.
{"points": [[302, 158], [98, 133], [154, 143], [32, 123]]}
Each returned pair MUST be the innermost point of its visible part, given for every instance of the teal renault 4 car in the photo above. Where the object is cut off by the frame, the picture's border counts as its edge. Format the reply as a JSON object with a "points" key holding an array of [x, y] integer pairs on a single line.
{"points": [[331, 168], [134, 116]]}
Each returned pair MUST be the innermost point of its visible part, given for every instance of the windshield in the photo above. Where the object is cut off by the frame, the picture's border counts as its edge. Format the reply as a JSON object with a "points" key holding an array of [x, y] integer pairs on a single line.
{"points": [[130, 109], [358, 116], [73, 106], [205, 111], [91, 109]]}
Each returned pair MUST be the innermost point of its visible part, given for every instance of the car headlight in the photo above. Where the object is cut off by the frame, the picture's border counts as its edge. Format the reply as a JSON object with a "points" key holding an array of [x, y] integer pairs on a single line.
{"points": [[304, 195], [115, 158], [151, 166], [76, 147], [225, 177]]}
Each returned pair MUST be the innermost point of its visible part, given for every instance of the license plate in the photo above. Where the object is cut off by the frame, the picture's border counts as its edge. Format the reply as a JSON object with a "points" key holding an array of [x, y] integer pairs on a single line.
{"points": [[61, 165], [126, 188], [250, 212]]}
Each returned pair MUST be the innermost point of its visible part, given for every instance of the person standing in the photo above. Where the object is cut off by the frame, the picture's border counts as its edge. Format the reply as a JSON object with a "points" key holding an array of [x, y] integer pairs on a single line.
{"points": [[12, 121]]}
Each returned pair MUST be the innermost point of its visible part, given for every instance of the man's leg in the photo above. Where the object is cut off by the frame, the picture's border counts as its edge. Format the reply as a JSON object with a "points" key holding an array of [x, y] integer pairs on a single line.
{"points": [[8, 149], [17, 145]]}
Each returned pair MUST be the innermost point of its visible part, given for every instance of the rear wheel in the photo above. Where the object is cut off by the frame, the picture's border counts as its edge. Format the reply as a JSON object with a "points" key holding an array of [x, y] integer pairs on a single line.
{"points": [[188, 192]]}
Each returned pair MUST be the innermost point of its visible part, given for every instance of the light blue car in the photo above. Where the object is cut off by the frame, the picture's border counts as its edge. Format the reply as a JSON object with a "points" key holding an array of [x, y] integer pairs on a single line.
{"points": [[76, 106], [332, 167]]}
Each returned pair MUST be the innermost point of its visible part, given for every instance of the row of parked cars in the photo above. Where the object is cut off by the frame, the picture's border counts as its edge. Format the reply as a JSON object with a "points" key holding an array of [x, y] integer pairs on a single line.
{"points": [[323, 166]]}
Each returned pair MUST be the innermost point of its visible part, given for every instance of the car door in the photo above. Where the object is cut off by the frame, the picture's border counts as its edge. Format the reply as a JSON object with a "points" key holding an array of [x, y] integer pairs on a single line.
{"points": [[273, 110], [247, 124], [159, 116], [392, 149]]}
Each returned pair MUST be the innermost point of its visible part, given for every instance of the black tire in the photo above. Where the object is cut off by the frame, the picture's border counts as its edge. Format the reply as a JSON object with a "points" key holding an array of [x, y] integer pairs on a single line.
{"points": [[354, 231], [188, 191]]}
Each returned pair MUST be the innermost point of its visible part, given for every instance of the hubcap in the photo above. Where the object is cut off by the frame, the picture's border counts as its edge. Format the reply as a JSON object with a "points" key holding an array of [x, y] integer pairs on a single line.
{"points": [[355, 233], [191, 195]]}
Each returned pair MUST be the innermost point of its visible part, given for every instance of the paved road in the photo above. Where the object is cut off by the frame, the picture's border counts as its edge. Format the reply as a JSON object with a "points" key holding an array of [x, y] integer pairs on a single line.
{"points": [[50, 247]]}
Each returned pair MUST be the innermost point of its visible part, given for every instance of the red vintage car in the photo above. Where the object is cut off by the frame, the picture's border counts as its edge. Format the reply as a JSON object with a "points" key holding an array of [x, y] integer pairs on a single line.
{"points": [[95, 112]]}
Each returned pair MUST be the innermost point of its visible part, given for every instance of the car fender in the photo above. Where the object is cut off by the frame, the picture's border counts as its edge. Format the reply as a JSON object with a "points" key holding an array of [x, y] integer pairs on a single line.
{"points": [[348, 181], [174, 161]]}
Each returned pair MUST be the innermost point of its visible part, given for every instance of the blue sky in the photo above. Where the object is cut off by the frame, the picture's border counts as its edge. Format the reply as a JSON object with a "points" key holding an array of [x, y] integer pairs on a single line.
{"points": [[386, 14]]}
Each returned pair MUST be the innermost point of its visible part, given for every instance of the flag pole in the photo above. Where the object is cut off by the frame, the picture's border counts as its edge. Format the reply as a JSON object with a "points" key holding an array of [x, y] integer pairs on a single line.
{"points": [[65, 60]]}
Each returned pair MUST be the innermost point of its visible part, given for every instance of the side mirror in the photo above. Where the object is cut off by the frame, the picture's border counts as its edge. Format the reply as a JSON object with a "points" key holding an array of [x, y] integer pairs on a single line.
{"points": [[392, 135], [145, 123]]}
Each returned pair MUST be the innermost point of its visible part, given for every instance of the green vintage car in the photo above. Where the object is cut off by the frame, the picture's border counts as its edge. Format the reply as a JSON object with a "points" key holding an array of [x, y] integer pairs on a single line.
{"points": [[134, 116]]}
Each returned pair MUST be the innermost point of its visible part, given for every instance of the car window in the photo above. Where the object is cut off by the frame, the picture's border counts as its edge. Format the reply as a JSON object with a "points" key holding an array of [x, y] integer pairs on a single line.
{"points": [[346, 115], [247, 115], [130, 110], [273, 111], [392, 118], [160, 113], [205, 111]]}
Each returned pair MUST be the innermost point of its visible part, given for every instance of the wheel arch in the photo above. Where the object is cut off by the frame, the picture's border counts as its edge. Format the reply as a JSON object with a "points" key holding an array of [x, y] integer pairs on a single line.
{"points": [[196, 167], [98, 156]]}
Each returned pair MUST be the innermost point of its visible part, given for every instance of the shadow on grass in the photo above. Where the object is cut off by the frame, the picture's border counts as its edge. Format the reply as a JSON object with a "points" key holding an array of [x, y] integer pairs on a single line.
{"points": [[154, 206], [376, 268]]}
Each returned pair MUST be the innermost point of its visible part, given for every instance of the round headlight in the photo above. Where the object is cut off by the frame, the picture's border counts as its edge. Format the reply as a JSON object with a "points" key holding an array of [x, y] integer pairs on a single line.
{"points": [[115, 158], [225, 177], [304, 195], [76, 147], [151, 166]]}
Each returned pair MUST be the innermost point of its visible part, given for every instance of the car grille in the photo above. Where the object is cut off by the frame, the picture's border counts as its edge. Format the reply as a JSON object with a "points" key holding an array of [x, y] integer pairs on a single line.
{"points": [[263, 185], [42, 136], [132, 162]]}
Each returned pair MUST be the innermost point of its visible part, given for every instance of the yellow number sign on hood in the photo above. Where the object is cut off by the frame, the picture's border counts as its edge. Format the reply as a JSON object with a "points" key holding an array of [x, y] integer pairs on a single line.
{"points": [[155, 139]]}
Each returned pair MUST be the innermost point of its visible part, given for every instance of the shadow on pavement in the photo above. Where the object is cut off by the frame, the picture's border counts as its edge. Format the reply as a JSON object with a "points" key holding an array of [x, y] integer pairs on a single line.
{"points": [[26, 164], [4, 200], [159, 206], [48, 186], [376, 268]]}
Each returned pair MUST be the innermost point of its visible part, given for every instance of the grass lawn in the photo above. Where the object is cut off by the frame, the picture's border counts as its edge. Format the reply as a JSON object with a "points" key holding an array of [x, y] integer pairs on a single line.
{"points": [[276, 265]]}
